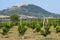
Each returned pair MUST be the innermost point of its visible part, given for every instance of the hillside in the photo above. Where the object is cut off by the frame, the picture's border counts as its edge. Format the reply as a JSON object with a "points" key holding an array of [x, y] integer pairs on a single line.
{"points": [[29, 10]]}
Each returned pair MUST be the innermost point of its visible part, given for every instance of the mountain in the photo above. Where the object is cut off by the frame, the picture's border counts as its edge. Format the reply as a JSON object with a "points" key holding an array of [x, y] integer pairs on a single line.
{"points": [[28, 10]]}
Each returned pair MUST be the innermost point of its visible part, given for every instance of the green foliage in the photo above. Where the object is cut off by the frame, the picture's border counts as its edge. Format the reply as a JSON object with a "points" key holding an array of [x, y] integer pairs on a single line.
{"points": [[22, 29], [57, 29], [15, 23], [14, 17], [6, 28], [1, 25], [5, 31], [32, 24], [44, 32], [38, 27], [58, 22], [47, 27], [55, 24]]}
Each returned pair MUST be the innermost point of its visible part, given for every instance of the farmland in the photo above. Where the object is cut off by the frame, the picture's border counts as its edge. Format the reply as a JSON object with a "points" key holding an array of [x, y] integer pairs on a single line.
{"points": [[30, 29]]}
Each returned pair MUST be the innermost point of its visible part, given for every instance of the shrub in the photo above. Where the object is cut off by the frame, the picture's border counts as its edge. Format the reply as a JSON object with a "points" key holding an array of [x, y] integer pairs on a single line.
{"points": [[6, 28], [22, 29], [45, 32], [47, 27], [38, 27], [1, 25], [55, 24], [5, 31], [57, 29], [31, 24]]}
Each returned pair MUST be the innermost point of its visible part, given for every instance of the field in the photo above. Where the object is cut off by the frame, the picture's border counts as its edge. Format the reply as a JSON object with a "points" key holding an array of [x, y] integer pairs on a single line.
{"points": [[30, 29]]}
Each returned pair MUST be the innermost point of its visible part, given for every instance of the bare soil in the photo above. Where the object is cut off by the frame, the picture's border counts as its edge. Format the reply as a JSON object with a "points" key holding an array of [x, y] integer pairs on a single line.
{"points": [[29, 35]]}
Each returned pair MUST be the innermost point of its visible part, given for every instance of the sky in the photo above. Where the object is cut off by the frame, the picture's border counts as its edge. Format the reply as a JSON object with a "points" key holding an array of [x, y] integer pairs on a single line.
{"points": [[49, 5]]}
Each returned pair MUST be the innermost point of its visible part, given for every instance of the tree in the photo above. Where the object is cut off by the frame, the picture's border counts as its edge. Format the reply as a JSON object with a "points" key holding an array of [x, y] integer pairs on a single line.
{"points": [[14, 17]]}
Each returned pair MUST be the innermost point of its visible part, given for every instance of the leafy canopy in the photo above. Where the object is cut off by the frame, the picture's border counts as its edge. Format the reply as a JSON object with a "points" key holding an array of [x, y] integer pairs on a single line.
{"points": [[14, 17]]}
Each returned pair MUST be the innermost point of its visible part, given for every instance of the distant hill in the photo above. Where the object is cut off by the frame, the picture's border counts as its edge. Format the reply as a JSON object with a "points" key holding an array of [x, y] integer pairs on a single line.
{"points": [[29, 10]]}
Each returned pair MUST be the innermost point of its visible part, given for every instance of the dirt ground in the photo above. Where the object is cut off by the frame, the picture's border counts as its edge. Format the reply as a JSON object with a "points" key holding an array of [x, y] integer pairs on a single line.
{"points": [[29, 35]]}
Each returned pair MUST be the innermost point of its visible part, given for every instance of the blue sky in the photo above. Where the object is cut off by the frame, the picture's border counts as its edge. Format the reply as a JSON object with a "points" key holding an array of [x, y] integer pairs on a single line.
{"points": [[49, 5]]}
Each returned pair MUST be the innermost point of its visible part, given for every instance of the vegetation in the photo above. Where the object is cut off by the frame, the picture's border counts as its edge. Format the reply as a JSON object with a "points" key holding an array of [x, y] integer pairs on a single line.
{"points": [[57, 29], [6, 27], [14, 17], [29, 9], [34, 24], [38, 27], [22, 29]]}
